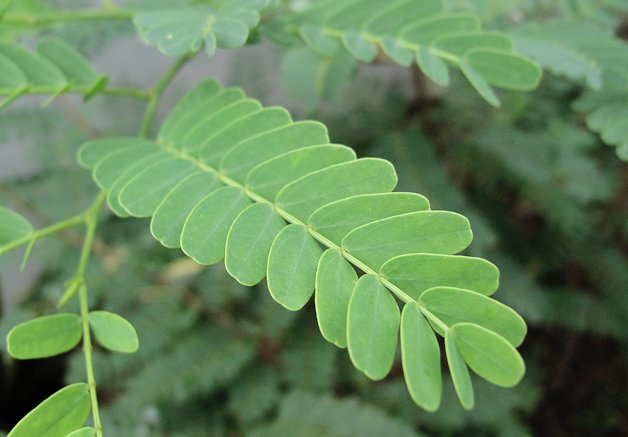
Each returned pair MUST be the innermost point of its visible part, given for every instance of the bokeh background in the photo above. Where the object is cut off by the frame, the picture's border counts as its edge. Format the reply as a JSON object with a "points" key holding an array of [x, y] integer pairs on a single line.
{"points": [[547, 200]]}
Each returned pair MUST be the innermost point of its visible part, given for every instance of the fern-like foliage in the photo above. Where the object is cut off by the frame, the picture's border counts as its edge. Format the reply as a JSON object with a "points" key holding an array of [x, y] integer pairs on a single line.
{"points": [[306, 414], [586, 53], [54, 68], [229, 179], [421, 32], [224, 24]]}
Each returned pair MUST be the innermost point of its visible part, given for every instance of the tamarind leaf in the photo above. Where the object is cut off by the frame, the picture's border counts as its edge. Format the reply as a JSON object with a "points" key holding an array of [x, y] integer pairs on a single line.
{"points": [[113, 332], [45, 336]]}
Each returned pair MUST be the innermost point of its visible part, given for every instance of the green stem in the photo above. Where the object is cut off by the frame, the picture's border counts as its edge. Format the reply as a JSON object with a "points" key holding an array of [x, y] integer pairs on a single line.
{"points": [[65, 17], [91, 221], [157, 91], [49, 230], [112, 91]]}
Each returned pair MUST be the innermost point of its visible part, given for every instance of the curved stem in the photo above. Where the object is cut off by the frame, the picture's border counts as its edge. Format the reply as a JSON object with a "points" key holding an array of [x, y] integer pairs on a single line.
{"points": [[65, 17], [91, 221], [158, 90]]}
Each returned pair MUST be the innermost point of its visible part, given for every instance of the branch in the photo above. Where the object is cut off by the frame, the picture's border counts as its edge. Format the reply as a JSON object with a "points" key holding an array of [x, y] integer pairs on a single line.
{"points": [[65, 17]]}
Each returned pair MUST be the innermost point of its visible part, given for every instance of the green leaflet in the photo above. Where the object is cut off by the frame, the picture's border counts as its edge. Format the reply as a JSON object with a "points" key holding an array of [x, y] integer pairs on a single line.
{"points": [[363, 176], [335, 281], [249, 241], [268, 178], [142, 194], [504, 70], [426, 31], [205, 230], [479, 83], [113, 332], [488, 354], [169, 218], [372, 325], [395, 15], [57, 416], [420, 356], [417, 232], [335, 220], [45, 336], [455, 305], [12, 78], [359, 46], [13, 226], [292, 266], [240, 160], [432, 66], [416, 273], [459, 372]]}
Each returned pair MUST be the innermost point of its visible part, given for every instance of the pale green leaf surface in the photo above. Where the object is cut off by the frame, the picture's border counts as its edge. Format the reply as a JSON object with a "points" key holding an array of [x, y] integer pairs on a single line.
{"points": [[420, 357], [335, 281], [459, 372], [94, 152], [194, 132], [426, 31], [316, 38], [372, 326], [432, 66], [142, 194], [268, 178], [292, 264], [505, 70], [488, 354], [38, 70], [479, 83], [248, 154], [115, 164], [13, 226], [205, 231], [363, 176], [416, 273], [187, 106], [113, 332], [255, 123], [12, 77], [45, 336], [359, 47], [248, 243], [230, 33], [459, 45], [396, 51], [113, 194], [204, 111], [169, 218], [417, 232], [57, 416], [394, 16], [72, 64], [455, 305], [335, 220]]}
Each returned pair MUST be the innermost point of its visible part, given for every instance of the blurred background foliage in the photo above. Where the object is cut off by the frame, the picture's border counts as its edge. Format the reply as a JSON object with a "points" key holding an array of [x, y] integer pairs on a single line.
{"points": [[547, 199]]}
